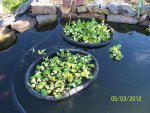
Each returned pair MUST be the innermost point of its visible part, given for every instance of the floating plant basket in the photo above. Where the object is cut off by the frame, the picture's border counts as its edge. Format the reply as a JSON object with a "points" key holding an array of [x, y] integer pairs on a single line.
{"points": [[72, 91], [88, 45]]}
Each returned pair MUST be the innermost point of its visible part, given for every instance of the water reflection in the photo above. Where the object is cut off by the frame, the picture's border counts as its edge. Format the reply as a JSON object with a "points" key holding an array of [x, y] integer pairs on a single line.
{"points": [[4, 94], [142, 56], [2, 77]]}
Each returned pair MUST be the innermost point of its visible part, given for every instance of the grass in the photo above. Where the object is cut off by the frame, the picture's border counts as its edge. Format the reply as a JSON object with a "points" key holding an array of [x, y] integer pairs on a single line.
{"points": [[10, 6]]}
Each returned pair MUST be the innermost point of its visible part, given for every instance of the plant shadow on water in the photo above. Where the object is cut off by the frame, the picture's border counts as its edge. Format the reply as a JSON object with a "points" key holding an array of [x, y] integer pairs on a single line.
{"points": [[127, 77]]}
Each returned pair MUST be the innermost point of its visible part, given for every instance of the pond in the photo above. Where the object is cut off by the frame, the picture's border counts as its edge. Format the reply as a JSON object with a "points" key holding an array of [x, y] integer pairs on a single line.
{"points": [[129, 77]]}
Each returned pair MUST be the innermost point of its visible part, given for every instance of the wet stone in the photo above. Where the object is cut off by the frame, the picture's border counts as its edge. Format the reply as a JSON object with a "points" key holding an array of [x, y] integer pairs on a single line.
{"points": [[82, 9], [64, 9], [23, 25], [92, 15], [45, 19], [6, 20], [7, 38], [121, 19], [124, 9], [43, 8]]}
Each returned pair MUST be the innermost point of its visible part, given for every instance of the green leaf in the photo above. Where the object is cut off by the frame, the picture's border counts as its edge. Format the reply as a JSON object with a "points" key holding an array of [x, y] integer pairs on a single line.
{"points": [[115, 52], [58, 96], [83, 74], [53, 78], [44, 92]]}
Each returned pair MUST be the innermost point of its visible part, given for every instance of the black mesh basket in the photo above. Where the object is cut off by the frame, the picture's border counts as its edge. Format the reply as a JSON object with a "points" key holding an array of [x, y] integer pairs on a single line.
{"points": [[88, 45], [69, 93]]}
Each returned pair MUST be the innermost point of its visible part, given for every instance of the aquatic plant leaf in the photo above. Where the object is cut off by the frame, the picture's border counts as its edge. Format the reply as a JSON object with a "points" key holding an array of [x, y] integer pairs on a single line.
{"points": [[115, 52], [58, 96], [44, 92]]}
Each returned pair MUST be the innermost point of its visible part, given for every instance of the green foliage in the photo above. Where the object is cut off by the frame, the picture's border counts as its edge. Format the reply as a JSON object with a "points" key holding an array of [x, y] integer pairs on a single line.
{"points": [[40, 51], [87, 31], [148, 29], [57, 75], [11, 5], [115, 52]]}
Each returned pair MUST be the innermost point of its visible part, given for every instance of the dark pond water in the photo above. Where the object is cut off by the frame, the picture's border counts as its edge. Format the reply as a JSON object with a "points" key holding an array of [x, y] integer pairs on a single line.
{"points": [[130, 77]]}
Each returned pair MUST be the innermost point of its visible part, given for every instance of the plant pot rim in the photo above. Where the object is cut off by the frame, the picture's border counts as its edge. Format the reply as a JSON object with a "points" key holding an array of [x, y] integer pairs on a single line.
{"points": [[88, 45], [69, 93]]}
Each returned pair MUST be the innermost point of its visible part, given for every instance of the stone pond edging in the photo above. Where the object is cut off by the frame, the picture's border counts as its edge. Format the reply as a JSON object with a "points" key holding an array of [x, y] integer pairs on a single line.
{"points": [[45, 12]]}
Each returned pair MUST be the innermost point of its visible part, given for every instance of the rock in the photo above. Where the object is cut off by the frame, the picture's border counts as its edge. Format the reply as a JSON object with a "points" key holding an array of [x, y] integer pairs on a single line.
{"points": [[46, 19], [92, 15], [23, 25], [124, 9], [44, 1], [22, 8], [92, 4], [90, 8], [121, 19], [95, 8], [103, 6], [104, 11], [7, 38], [73, 16], [149, 15], [143, 18], [145, 9], [1, 8], [98, 2], [43, 8], [77, 3], [6, 20], [82, 9], [58, 2], [73, 9], [145, 23], [64, 9]]}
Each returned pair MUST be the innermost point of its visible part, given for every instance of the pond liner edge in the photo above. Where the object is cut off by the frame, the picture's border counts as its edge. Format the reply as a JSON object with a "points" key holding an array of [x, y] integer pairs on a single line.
{"points": [[69, 93], [87, 45]]}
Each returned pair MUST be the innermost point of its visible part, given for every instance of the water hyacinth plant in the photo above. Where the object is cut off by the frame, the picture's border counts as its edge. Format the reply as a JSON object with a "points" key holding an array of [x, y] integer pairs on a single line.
{"points": [[59, 74], [87, 31], [148, 29], [115, 52]]}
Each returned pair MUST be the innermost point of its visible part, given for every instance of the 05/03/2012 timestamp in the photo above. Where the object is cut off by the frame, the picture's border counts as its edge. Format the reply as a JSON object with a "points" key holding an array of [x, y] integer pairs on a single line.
{"points": [[126, 98]]}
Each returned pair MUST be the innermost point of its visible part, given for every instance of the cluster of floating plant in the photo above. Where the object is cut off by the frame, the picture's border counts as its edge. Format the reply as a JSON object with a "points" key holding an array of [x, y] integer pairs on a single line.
{"points": [[115, 52], [55, 76], [39, 52], [87, 31]]}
